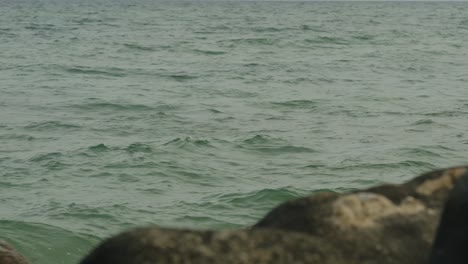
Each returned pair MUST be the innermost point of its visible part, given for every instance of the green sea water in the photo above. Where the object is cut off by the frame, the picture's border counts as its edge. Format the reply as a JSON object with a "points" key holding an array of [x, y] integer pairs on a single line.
{"points": [[117, 114]]}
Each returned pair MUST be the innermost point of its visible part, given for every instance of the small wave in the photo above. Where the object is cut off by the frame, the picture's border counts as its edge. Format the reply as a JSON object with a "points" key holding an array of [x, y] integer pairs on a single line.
{"points": [[314, 166], [99, 148], [12, 184], [47, 156], [439, 147], [190, 175], [283, 149], [259, 139], [284, 117], [55, 165], [139, 147], [364, 37], [463, 24], [394, 113], [297, 80], [204, 221], [256, 198], [253, 64], [328, 40], [152, 191], [101, 174], [51, 125], [139, 47], [402, 164], [123, 177], [188, 141], [421, 152], [423, 122], [108, 72], [7, 32], [94, 104], [235, 93], [209, 52], [215, 111], [303, 104], [86, 20], [224, 119], [326, 190], [268, 29], [181, 77], [131, 164], [269, 145], [446, 113], [35, 27], [84, 212], [165, 107], [312, 28], [250, 41], [17, 137]]}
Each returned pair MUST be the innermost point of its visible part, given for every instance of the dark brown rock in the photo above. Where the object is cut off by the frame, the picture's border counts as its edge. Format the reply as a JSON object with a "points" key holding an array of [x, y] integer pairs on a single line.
{"points": [[8, 255], [431, 188], [384, 224], [388, 224], [155, 245], [450, 245]]}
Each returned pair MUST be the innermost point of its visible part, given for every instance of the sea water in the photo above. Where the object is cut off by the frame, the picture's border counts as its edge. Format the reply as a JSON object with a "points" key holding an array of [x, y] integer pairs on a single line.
{"points": [[206, 115]]}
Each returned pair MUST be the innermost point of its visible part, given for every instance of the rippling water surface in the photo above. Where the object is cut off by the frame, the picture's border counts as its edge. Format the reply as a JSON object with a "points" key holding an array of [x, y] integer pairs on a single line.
{"points": [[208, 114]]}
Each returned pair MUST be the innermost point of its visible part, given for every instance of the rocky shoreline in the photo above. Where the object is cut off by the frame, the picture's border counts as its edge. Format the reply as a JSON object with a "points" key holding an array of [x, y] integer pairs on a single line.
{"points": [[383, 225]]}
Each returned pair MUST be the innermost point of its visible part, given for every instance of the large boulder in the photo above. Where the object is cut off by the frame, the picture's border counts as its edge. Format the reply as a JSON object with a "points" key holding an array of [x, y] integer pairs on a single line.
{"points": [[451, 241], [382, 225], [155, 245]]}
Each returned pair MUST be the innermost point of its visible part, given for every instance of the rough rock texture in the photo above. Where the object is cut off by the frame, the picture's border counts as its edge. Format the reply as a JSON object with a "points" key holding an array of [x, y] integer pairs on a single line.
{"points": [[154, 245], [384, 224], [381, 225], [8, 255], [450, 245]]}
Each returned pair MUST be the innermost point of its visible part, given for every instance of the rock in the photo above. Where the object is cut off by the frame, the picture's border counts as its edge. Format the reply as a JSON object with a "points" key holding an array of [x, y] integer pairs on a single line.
{"points": [[381, 225], [431, 188], [155, 245], [8, 255], [452, 235], [384, 224]]}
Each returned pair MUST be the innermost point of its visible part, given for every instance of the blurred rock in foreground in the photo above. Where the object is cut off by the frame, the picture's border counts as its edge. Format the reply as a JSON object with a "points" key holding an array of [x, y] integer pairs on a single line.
{"points": [[450, 245], [382, 225], [8, 255], [153, 245]]}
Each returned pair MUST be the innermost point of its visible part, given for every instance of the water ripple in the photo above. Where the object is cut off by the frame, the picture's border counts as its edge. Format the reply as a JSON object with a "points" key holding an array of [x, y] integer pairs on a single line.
{"points": [[188, 142], [51, 125], [51, 244], [106, 72], [268, 145], [94, 104], [383, 166]]}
